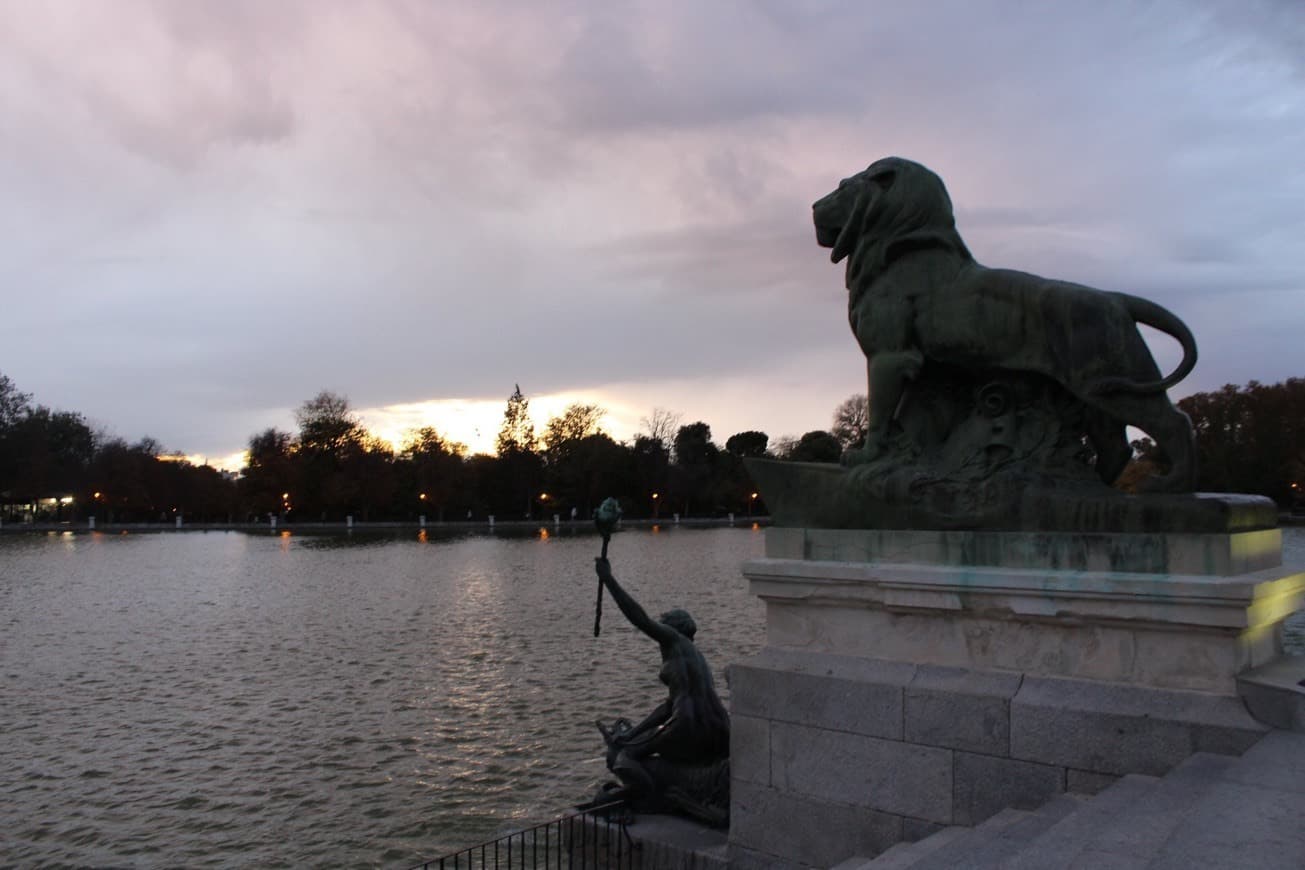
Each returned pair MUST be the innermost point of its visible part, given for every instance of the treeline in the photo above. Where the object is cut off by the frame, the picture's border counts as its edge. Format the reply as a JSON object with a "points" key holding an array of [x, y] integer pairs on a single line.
{"points": [[55, 461], [1251, 439], [332, 467]]}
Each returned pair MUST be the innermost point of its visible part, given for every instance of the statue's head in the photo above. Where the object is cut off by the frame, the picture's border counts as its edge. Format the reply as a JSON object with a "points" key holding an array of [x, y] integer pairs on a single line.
{"points": [[681, 621], [892, 200]]}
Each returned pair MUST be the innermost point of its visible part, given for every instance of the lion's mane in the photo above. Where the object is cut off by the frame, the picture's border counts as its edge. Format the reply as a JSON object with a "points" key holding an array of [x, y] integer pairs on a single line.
{"points": [[912, 210]]}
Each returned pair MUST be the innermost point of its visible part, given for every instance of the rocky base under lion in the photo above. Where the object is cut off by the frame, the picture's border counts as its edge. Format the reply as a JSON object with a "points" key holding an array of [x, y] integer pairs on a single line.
{"points": [[995, 451]]}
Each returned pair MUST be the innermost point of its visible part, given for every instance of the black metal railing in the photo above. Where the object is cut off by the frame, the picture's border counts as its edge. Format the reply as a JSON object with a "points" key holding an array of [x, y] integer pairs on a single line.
{"points": [[593, 839]]}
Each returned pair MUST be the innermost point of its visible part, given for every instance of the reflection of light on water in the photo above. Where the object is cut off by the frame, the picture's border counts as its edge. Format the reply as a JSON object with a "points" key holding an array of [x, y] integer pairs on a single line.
{"points": [[422, 537], [543, 533], [285, 541], [756, 527], [656, 529]]}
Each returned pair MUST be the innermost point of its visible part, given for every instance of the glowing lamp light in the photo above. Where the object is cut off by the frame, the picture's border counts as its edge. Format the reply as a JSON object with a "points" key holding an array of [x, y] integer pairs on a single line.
{"points": [[422, 496]]}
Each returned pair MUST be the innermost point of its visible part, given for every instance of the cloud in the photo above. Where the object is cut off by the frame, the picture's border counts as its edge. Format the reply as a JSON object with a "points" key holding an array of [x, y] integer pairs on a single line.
{"points": [[241, 204]]}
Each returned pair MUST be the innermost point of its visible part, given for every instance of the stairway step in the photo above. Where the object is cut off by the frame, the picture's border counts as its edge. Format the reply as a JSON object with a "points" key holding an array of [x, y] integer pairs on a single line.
{"points": [[1142, 831], [1058, 845], [968, 840], [904, 854], [1276, 761], [998, 838], [1253, 819]]}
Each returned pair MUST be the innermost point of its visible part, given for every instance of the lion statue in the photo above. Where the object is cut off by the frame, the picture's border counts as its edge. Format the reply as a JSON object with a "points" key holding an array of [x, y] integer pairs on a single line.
{"points": [[916, 295]]}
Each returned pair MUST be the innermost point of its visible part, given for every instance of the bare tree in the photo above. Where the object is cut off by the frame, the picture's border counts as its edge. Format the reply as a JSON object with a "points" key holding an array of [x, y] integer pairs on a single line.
{"points": [[661, 425]]}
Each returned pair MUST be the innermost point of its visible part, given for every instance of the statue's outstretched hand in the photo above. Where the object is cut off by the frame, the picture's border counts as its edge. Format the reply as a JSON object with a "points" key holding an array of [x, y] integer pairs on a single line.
{"points": [[603, 568]]}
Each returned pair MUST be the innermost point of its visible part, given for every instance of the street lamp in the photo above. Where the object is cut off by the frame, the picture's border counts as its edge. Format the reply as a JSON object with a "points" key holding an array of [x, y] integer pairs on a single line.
{"points": [[752, 499], [655, 496]]}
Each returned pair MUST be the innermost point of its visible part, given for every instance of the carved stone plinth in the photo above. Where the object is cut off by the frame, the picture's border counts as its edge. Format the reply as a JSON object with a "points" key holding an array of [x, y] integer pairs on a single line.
{"points": [[918, 679]]}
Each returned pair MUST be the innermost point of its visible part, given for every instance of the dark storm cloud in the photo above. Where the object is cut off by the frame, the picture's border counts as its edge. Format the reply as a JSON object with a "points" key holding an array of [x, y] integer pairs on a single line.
{"points": [[215, 210]]}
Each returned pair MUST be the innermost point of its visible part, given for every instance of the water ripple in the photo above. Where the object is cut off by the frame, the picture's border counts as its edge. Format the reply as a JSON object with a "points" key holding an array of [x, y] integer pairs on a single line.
{"points": [[223, 699]]}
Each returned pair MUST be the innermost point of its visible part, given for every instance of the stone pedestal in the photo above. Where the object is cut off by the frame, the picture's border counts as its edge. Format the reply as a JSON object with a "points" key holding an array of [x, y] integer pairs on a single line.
{"points": [[918, 679]]}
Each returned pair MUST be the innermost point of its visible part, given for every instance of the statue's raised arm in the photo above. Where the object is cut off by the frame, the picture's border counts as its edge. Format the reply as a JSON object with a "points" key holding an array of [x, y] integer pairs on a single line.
{"points": [[638, 617]]}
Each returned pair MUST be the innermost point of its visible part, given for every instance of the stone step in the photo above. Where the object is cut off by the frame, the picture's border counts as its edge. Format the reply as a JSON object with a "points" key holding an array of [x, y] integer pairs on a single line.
{"points": [[968, 839], [1253, 819], [904, 854], [996, 839], [1277, 761], [1140, 834], [1211, 811], [1061, 842]]}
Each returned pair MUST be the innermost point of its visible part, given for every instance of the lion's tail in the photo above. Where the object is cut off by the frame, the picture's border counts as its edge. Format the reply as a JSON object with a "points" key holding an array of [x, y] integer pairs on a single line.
{"points": [[1153, 315]]}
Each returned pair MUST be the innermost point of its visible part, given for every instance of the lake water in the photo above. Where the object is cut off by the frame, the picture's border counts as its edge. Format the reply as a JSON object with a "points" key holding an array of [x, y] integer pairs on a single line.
{"points": [[219, 699]]}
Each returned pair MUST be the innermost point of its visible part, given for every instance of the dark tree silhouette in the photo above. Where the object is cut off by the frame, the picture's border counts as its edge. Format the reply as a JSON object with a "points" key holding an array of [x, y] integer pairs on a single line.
{"points": [[851, 422], [750, 443], [816, 446]]}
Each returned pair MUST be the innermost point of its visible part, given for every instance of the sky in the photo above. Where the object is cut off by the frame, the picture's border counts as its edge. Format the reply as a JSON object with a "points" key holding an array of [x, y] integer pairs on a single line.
{"points": [[212, 211]]}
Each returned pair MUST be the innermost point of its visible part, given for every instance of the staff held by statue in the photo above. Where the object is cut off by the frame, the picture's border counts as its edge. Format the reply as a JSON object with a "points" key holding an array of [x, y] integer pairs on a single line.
{"points": [[606, 517]]}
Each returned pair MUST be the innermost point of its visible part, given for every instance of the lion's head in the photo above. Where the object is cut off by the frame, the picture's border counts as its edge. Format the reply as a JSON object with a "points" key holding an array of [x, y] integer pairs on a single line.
{"points": [[878, 214]]}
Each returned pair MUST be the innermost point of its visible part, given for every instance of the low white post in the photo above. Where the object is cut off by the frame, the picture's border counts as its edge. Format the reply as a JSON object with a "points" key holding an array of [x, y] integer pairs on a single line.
{"points": [[348, 521], [178, 520], [557, 520], [272, 518], [677, 518], [491, 521], [421, 521], [90, 522], [731, 518]]}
